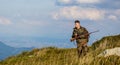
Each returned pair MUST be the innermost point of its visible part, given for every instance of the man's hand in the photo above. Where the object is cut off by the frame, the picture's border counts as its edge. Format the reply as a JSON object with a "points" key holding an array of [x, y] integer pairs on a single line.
{"points": [[72, 39]]}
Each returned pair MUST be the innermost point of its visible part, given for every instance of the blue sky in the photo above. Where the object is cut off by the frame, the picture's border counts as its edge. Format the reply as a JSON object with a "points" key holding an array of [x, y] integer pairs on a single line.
{"points": [[39, 23]]}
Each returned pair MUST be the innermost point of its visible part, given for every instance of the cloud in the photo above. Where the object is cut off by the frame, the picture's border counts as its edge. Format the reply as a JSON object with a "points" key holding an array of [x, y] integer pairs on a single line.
{"points": [[73, 2], [4, 21], [112, 17], [110, 4], [88, 1], [114, 14], [76, 12], [65, 1], [117, 12]]}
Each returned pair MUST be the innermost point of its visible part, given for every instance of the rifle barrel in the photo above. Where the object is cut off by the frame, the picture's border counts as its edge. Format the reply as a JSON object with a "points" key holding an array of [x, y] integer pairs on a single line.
{"points": [[94, 32]]}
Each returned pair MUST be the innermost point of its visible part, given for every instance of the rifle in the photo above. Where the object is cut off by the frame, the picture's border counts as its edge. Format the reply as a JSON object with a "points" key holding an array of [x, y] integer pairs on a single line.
{"points": [[77, 37]]}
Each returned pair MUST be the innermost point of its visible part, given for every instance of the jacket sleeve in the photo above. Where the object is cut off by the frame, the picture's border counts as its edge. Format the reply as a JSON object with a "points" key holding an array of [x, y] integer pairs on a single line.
{"points": [[74, 33]]}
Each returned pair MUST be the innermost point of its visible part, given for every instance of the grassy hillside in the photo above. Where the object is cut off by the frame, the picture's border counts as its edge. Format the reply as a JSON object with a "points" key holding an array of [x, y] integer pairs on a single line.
{"points": [[106, 43], [61, 56]]}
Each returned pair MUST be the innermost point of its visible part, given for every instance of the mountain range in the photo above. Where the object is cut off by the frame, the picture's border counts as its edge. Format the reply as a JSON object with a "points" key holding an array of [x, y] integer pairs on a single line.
{"points": [[7, 51]]}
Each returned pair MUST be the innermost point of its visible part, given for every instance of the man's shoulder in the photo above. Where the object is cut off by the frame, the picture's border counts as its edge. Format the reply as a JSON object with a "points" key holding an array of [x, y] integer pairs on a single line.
{"points": [[83, 28], [74, 28]]}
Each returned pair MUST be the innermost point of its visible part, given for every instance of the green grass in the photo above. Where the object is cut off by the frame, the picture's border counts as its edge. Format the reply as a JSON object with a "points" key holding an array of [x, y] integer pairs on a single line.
{"points": [[63, 56]]}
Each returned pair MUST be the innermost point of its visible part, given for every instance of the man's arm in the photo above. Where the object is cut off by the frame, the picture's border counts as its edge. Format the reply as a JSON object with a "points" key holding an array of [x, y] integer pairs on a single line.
{"points": [[74, 34]]}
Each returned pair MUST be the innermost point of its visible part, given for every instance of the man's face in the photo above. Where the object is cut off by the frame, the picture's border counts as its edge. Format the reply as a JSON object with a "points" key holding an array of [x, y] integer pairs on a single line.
{"points": [[77, 25]]}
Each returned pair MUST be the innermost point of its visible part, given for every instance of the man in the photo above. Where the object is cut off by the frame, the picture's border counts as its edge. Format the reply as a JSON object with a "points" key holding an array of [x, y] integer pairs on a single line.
{"points": [[81, 35]]}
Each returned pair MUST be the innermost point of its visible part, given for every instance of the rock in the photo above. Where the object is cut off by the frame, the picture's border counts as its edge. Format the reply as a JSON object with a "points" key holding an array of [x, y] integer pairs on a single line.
{"points": [[108, 52], [30, 56]]}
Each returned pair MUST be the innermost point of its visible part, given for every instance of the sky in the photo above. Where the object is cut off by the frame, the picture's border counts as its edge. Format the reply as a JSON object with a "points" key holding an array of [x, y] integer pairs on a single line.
{"points": [[40, 23]]}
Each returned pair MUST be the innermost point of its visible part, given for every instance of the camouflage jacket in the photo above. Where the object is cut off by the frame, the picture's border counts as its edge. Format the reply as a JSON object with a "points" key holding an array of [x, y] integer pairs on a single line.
{"points": [[80, 32]]}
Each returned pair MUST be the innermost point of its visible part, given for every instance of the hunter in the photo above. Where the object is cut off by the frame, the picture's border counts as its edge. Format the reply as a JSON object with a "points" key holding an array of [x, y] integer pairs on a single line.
{"points": [[79, 34]]}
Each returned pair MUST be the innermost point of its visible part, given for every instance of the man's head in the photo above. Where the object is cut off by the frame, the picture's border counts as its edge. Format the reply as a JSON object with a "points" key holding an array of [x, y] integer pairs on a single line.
{"points": [[77, 23]]}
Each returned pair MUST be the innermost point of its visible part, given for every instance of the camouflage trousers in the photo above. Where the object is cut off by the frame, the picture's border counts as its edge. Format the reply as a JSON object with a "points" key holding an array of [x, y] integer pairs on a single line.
{"points": [[82, 48]]}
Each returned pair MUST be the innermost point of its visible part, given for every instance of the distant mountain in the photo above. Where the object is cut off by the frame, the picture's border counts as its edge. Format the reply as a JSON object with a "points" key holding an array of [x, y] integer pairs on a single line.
{"points": [[6, 51]]}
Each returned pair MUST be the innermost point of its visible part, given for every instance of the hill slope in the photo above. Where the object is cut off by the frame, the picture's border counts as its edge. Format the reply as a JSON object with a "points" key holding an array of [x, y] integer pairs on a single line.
{"points": [[61, 56]]}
